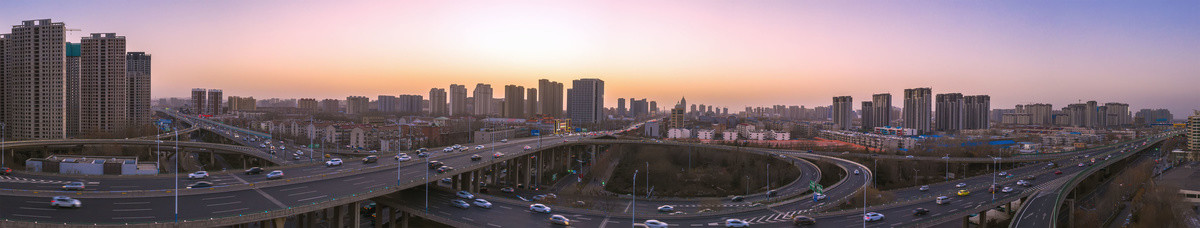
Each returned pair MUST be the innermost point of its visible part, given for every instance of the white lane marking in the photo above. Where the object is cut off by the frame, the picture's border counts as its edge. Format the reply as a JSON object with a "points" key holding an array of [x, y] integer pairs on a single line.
{"points": [[289, 189], [35, 216], [444, 213], [269, 197], [506, 207], [353, 179], [239, 178], [222, 204], [142, 217], [127, 203], [489, 224], [232, 210], [363, 182], [302, 193], [313, 198], [219, 197], [36, 208], [468, 219], [138, 209]]}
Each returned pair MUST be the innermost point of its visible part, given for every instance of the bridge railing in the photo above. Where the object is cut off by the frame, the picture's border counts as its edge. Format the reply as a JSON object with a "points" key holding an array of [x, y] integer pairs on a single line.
{"points": [[1075, 180]]}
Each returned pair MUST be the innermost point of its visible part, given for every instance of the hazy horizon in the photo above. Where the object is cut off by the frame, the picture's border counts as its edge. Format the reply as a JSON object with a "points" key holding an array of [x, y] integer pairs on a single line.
{"points": [[728, 54]]}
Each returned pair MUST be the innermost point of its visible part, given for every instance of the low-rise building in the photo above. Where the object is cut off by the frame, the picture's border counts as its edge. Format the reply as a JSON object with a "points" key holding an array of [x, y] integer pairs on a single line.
{"points": [[729, 135], [91, 165], [679, 133], [706, 134], [876, 141]]}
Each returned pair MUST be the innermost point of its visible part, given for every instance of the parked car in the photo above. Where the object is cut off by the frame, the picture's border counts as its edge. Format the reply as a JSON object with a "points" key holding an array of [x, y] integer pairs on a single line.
{"points": [[334, 162], [254, 170], [275, 174], [198, 175], [73, 186], [63, 201], [200, 184]]}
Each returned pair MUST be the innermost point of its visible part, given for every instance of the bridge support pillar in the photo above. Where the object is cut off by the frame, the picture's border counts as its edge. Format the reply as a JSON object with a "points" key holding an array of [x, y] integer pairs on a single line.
{"points": [[378, 219], [337, 216], [1011, 211], [983, 219], [476, 177], [454, 182], [404, 218], [1070, 212], [311, 219], [526, 173], [279, 222], [966, 221], [355, 217], [392, 220]]}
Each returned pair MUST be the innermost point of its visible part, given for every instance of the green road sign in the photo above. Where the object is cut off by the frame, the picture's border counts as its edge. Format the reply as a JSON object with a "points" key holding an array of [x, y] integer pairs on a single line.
{"points": [[817, 188]]}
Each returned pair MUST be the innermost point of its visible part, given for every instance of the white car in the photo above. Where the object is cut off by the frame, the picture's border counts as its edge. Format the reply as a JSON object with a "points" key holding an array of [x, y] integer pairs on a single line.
{"points": [[504, 140], [656, 224], [856, 172], [736, 223], [464, 195], [666, 208], [198, 175], [63, 201], [819, 196], [479, 147], [527, 147], [334, 162], [873, 216], [299, 152], [959, 185], [448, 149], [924, 188], [275, 174], [403, 157], [1006, 189], [482, 203], [537, 207], [560, 220]]}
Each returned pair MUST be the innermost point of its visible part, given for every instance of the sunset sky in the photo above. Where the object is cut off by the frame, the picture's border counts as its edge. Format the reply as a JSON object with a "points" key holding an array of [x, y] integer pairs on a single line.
{"points": [[727, 53]]}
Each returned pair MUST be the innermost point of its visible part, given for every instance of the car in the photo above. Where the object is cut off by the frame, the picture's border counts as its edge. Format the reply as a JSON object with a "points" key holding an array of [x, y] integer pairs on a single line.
{"points": [[737, 199], [856, 172], [803, 220], [963, 192], [448, 149], [447, 180], [73, 186], [1006, 189], [5, 171], [482, 203], [819, 196], [444, 169], [422, 149], [736, 223], [504, 140], [655, 224], [1057, 172], [198, 175], [63, 201], [200, 184], [908, 156], [435, 164], [334, 162], [370, 159], [476, 157], [1003, 173], [539, 197], [772, 193], [873, 216], [537, 207], [508, 189], [460, 204], [497, 155], [943, 200], [275, 174], [959, 185], [464, 195], [920, 211], [253, 170], [479, 147], [1023, 183], [1080, 164], [403, 157], [528, 148], [666, 208], [423, 154], [924, 188], [560, 220]]}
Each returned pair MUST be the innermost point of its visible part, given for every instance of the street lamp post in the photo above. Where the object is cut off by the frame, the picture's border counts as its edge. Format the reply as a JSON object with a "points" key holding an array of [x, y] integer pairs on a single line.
{"points": [[176, 177], [633, 200], [768, 182]]}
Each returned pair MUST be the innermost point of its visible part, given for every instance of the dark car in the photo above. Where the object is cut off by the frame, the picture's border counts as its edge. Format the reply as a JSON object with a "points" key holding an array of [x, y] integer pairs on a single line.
{"points": [[476, 157], [201, 184], [737, 199], [370, 159], [1057, 172], [5, 171], [920, 211], [254, 170], [444, 169], [435, 164], [804, 220]]}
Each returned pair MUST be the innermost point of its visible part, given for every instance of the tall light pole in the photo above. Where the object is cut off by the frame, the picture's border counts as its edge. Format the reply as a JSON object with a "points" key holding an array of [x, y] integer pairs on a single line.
{"points": [[633, 200], [647, 180], [865, 200], [994, 169], [176, 177], [768, 181]]}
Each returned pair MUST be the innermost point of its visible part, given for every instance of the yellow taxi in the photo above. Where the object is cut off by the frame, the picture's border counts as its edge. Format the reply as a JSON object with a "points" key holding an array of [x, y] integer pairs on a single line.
{"points": [[963, 192]]}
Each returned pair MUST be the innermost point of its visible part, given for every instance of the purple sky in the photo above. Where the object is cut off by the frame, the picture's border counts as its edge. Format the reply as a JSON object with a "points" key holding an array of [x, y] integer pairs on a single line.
{"points": [[727, 53]]}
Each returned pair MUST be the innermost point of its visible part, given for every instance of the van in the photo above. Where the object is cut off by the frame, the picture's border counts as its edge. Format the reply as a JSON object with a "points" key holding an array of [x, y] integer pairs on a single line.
{"points": [[943, 200]]}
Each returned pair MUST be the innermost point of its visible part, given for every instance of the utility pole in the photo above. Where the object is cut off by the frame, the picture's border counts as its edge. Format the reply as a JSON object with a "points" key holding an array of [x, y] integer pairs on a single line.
{"points": [[633, 200]]}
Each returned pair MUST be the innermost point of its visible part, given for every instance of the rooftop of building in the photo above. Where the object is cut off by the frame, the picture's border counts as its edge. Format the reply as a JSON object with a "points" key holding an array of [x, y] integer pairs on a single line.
{"points": [[90, 159]]}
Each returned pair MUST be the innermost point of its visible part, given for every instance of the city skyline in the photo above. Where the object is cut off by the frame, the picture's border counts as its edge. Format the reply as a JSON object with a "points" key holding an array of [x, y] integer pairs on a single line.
{"points": [[818, 50]]}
